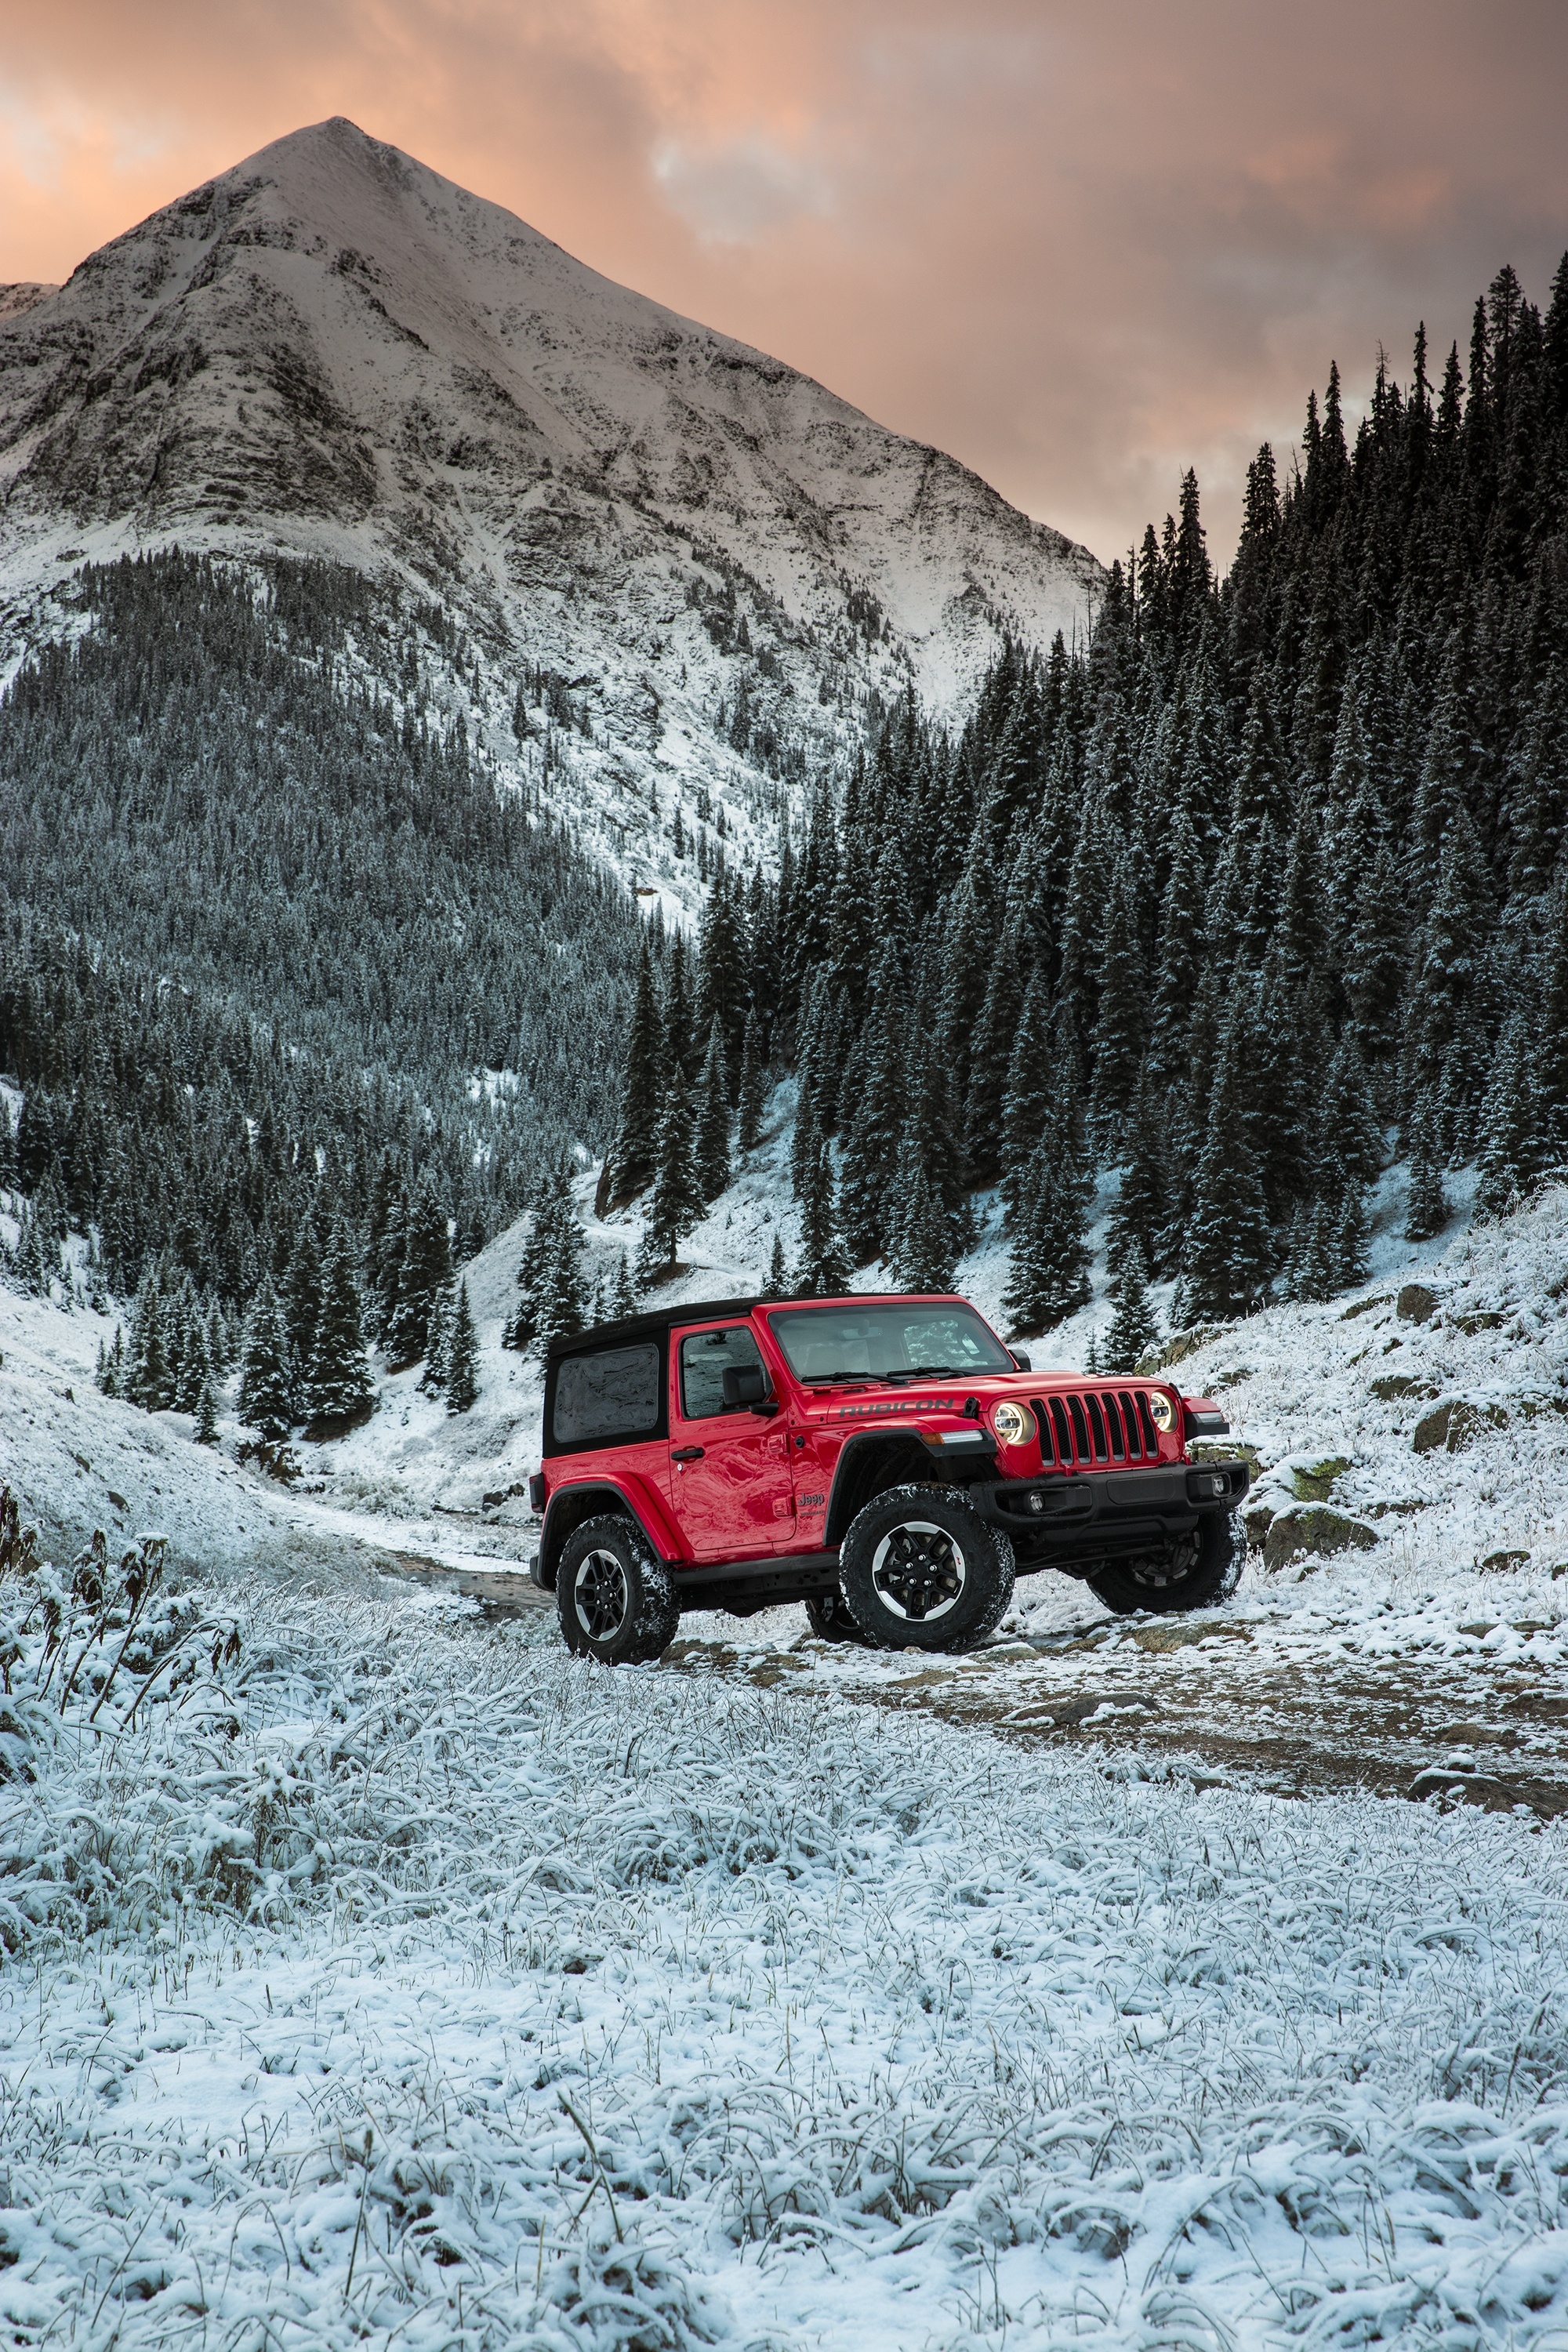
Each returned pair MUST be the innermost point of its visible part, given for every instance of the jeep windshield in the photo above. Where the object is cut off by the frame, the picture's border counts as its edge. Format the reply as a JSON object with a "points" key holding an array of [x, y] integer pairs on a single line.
{"points": [[886, 1342]]}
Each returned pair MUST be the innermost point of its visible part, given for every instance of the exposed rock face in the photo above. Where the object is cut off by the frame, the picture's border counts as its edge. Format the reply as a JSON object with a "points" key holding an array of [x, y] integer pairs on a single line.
{"points": [[1454, 1424], [1315, 1529], [14, 299], [332, 350]]}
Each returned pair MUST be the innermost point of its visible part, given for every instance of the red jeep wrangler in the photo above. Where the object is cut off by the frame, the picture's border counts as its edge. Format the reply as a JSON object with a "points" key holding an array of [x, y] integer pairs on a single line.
{"points": [[886, 1460]]}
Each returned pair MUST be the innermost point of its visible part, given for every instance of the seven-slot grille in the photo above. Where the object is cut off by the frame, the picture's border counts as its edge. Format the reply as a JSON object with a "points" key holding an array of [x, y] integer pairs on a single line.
{"points": [[1081, 1427]]}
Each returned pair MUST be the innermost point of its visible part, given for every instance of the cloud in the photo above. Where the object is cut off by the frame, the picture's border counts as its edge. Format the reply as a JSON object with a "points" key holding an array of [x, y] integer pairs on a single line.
{"points": [[1080, 248], [736, 190]]}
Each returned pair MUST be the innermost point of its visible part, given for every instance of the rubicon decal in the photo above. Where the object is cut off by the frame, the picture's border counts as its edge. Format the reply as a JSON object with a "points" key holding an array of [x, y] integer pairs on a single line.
{"points": [[901, 1404]]}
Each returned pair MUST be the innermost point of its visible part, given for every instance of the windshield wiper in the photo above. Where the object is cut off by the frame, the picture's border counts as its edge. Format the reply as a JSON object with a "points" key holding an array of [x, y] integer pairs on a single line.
{"points": [[921, 1372]]}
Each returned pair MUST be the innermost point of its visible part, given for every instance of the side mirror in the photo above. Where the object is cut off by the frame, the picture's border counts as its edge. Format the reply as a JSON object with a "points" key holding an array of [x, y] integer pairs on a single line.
{"points": [[1020, 1360], [744, 1384]]}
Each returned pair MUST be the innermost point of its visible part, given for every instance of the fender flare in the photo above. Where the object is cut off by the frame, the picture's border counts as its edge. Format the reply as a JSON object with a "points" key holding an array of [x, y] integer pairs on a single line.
{"points": [[852, 1452], [638, 1500]]}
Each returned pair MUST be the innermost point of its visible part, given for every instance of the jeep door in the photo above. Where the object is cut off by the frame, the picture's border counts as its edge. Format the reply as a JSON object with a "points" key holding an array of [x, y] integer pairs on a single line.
{"points": [[729, 1469]]}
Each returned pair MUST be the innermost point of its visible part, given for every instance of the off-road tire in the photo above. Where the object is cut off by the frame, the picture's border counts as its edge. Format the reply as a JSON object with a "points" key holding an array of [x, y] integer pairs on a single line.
{"points": [[920, 1570], [1131, 1586], [829, 1619], [613, 1595]]}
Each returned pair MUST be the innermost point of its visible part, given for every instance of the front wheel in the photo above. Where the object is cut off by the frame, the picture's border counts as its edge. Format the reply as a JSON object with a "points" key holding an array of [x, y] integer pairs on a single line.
{"points": [[920, 1570], [613, 1595], [1197, 1571]]}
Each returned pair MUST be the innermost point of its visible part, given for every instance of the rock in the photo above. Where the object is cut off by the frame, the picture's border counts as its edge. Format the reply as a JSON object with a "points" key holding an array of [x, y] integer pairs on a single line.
{"points": [[1314, 1481], [1454, 1425], [1395, 1385], [1314, 1530], [1469, 1786], [1183, 1344], [1257, 1522], [1066, 1714], [1415, 1303], [1226, 1449], [1503, 1560], [1164, 1636]]}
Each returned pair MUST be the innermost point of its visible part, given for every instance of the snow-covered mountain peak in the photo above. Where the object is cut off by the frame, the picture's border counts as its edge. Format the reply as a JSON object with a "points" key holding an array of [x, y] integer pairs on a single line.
{"points": [[331, 350]]}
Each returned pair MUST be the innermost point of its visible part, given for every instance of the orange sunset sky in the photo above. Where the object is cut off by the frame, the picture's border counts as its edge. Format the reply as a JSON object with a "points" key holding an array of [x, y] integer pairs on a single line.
{"points": [[1080, 247]]}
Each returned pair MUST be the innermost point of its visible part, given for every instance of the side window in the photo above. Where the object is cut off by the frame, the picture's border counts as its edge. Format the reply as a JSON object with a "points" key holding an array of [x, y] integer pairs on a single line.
{"points": [[612, 1395], [705, 1357]]}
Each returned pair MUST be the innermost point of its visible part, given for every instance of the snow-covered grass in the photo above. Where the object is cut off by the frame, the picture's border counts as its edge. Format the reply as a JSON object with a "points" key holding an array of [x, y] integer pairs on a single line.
{"points": [[430, 1987], [679, 2010]]}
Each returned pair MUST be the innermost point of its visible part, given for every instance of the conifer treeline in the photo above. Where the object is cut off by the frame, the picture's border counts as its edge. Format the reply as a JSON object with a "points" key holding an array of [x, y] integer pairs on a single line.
{"points": [[1272, 866], [253, 790], [180, 1129], [264, 914]]}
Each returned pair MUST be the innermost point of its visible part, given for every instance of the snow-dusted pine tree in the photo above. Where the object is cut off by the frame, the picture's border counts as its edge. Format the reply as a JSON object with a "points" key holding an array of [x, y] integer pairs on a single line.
{"points": [[1049, 1269], [462, 1357], [1133, 1329], [674, 1204], [754, 1085], [426, 1271], [339, 1384], [710, 1142], [823, 1269], [1426, 1208], [922, 1255], [265, 1398]]}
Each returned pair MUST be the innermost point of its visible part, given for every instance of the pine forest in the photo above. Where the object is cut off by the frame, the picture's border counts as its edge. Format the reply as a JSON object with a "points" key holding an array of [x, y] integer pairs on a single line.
{"points": [[1258, 886]]}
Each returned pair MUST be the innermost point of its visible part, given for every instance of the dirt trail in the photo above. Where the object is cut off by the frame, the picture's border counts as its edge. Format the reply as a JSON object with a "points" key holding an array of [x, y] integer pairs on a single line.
{"points": [[1204, 1695]]}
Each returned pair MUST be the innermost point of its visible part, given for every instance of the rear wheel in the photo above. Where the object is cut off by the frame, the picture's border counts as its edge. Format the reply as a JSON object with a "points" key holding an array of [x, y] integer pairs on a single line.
{"points": [[920, 1570], [830, 1620], [1197, 1571], [613, 1595]]}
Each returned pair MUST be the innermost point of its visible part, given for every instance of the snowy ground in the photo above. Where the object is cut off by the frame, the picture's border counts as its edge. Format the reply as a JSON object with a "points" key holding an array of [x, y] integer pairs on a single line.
{"points": [[451, 1993], [788, 1996]]}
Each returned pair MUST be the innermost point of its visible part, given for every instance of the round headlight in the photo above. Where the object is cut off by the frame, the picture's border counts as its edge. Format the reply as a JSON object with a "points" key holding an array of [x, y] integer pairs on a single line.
{"points": [[1013, 1424], [1162, 1410]]}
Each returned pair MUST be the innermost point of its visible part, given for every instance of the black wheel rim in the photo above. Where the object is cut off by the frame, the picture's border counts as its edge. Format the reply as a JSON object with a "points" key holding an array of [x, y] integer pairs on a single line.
{"points": [[1174, 1569], [919, 1572], [599, 1596]]}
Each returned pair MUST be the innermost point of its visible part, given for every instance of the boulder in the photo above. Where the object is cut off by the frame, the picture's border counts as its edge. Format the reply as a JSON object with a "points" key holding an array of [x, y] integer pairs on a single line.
{"points": [[1179, 1347], [1315, 1529], [1454, 1424], [1313, 1482], [1459, 1782], [1415, 1303], [1395, 1385]]}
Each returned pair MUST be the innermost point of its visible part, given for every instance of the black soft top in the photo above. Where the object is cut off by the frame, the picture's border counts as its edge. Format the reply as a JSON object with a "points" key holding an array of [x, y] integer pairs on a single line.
{"points": [[701, 1310]]}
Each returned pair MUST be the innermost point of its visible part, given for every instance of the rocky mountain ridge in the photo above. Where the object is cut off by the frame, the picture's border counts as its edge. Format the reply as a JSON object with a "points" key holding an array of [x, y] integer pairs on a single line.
{"points": [[331, 350]]}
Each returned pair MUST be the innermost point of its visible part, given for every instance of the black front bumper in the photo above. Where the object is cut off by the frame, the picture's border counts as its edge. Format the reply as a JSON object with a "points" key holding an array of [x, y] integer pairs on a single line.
{"points": [[1095, 1515]]}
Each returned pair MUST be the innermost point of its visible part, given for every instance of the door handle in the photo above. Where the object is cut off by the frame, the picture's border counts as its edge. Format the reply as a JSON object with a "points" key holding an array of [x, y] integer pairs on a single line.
{"points": [[687, 1453]]}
